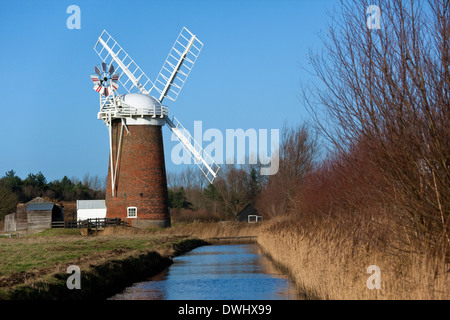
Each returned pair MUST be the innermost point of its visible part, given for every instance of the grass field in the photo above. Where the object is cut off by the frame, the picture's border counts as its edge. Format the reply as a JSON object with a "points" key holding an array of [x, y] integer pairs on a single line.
{"points": [[49, 249], [40, 257]]}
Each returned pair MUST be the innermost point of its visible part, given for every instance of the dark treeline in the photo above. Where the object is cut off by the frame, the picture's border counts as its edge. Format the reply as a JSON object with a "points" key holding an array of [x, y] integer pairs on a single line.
{"points": [[15, 190], [192, 197]]}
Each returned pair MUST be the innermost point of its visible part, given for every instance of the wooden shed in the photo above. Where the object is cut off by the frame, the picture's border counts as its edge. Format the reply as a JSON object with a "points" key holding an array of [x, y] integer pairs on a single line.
{"points": [[249, 214], [33, 216], [10, 222], [41, 215]]}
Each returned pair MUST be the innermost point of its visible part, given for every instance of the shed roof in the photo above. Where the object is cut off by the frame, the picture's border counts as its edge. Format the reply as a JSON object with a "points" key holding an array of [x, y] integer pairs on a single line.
{"points": [[40, 206], [248, 210], [91, 204]]}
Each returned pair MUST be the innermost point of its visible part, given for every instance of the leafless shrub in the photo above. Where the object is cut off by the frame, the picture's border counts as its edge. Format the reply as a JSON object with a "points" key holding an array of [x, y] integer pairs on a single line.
{"points": [[386, 93], [298, 150]]}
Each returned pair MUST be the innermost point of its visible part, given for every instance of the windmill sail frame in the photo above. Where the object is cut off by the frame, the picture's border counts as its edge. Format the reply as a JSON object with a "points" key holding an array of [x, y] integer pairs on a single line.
{"points": [[203, 160], [178, 65], [168, 84], [110, 51]]}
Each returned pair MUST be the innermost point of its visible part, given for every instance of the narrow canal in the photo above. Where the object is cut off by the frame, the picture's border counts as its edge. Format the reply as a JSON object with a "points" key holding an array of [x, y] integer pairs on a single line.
{"points": [[215, 272]]}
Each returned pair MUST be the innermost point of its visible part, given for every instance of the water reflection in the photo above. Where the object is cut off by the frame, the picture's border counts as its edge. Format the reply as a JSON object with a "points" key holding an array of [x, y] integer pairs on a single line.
{"points": [[216, 272]]}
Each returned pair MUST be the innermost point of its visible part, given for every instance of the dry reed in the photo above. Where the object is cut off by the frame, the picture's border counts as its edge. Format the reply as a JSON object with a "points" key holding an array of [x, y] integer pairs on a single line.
{"points": [[327, 265], [206, 230]]}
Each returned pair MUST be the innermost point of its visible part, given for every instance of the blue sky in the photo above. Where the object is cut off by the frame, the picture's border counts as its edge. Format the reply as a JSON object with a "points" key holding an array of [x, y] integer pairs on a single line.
{"points": [[247, 75]]}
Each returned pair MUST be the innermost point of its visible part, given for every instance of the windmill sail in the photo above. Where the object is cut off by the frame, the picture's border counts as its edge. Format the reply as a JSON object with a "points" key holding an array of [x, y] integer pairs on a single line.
{"points": [[168, 84], [203, 160], [178, 65], [131, 76]]}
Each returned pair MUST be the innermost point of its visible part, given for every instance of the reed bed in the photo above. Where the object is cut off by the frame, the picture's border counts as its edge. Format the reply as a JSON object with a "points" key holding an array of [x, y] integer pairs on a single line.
{"points": [[207, 230], [325, 264]]}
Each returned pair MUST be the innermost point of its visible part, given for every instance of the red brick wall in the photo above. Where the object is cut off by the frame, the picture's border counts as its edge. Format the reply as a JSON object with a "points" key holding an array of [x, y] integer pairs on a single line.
{"points": [[141, 175]]}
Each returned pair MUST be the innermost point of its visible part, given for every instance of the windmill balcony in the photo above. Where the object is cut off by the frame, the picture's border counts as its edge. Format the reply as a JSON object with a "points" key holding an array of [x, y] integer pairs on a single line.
{"points": [[132, 105], [126, 111]]}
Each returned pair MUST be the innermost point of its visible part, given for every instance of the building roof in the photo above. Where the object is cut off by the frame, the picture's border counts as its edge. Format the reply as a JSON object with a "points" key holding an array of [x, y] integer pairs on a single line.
{"points": [[248, 210], [40, 206], [91, 204]]}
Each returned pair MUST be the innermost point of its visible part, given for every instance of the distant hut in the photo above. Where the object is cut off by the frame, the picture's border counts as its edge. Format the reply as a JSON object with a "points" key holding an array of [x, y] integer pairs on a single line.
{"points": [[91, 209], [10, 222], [33, 216], [41, 215], [249, 214]]}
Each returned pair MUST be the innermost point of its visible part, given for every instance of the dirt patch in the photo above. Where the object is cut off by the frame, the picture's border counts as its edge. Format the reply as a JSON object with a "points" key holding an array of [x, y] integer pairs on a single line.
{"points": [[21, 277]]}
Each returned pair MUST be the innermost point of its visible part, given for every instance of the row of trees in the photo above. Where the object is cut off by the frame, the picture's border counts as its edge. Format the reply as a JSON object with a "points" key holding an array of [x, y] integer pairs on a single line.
{"points": [[233, 189], [238, 185], [14, 190], [188, 191]]}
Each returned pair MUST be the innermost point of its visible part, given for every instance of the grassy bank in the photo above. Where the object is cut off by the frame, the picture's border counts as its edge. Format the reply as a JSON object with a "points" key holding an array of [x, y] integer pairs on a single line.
{"points": [[34, 267]]}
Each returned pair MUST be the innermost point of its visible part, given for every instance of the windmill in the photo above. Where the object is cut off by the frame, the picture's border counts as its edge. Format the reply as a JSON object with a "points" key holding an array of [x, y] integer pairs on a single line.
{"points": [[137, 185]]}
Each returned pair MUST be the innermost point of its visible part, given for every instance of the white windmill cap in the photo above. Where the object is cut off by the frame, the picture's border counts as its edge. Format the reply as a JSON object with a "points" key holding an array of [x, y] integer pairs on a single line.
{"points": [[141, 101]]}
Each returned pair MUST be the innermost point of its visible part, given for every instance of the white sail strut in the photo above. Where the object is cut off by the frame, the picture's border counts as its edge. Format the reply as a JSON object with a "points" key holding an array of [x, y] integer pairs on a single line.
{"points": [[206, 164], [124, 67], [177, 69]]}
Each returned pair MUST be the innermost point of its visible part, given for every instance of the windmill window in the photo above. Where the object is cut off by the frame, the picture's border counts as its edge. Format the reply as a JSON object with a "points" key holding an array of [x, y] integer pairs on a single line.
{"points": [[131, 212]]}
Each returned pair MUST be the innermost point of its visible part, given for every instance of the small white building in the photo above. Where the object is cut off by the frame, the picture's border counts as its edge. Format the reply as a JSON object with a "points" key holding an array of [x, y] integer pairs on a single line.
{"points": [[91, 209]]}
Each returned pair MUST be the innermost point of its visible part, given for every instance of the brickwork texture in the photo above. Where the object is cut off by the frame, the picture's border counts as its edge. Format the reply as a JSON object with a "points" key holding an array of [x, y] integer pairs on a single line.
{"points": [[141, 176]]}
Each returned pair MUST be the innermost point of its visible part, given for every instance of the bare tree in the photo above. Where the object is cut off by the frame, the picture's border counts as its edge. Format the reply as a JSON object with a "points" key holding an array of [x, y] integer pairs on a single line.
{"points": [[298, 151], [387, 91]]}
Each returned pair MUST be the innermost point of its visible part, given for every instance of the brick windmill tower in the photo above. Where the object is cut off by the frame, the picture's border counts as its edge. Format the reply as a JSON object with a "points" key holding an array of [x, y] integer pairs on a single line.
{"points": [[137, 185]]}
